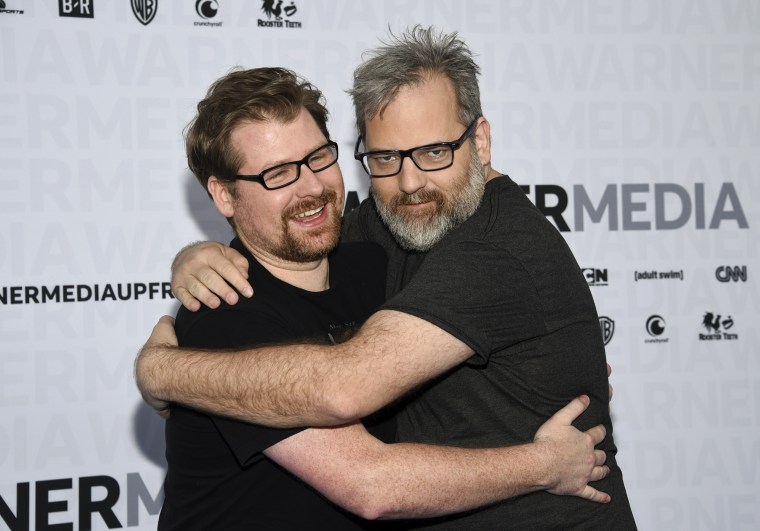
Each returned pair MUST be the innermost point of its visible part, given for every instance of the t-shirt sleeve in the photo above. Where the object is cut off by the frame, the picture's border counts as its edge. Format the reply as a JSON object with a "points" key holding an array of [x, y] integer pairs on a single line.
{"points": [[226, 328], [477, 292]]}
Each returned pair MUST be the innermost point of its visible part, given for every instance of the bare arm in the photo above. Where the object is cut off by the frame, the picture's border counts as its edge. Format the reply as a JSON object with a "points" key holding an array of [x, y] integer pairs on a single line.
{"points": [[376, 480], [300, 385]]}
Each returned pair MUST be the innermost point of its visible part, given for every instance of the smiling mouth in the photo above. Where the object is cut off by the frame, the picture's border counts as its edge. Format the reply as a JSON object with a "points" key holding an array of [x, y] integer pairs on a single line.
{"points": [[309, 213]]}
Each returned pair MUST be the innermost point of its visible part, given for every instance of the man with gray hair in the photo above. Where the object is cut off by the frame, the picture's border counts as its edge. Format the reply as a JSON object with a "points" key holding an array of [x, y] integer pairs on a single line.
{"points": [[489, 325]]}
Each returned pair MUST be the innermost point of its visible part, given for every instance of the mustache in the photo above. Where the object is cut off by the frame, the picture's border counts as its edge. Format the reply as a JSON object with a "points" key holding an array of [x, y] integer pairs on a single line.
{"points": [[420, 196], [327, 197]]}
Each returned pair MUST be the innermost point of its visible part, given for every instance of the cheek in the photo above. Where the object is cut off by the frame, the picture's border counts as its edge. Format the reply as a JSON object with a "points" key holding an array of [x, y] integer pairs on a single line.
{"points": [[260, 209], [334, 180], [384, 188]]}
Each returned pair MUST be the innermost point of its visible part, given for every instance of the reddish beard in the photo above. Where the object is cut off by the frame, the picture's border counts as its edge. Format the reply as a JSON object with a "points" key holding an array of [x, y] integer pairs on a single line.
{"points": [[314, 243]]}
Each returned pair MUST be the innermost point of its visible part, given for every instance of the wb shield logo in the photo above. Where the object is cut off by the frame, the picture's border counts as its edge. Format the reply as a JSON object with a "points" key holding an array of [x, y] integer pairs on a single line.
{"points": [[608, 328], [144, 10]]}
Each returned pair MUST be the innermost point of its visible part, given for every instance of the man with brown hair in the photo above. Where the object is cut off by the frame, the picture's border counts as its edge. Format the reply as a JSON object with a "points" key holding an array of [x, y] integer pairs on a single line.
{"points": [[260, 146]]}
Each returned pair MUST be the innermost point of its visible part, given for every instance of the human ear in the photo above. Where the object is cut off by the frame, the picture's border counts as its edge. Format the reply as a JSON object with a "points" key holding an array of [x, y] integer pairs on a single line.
{"points": [[220, 193], [482, 139]]}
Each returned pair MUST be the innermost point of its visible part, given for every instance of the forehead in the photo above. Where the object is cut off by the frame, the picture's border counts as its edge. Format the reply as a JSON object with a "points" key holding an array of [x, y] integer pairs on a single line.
{"points": [[420, 114], [267, 143]]}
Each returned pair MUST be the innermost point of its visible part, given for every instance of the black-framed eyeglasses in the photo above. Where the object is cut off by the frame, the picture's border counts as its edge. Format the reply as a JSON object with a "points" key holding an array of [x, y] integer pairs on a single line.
{"points": [[287, 173], [431, 157]]}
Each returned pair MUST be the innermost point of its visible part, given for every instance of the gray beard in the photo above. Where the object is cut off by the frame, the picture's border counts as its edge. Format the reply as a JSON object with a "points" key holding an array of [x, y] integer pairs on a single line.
{"points": [[453, 210]]}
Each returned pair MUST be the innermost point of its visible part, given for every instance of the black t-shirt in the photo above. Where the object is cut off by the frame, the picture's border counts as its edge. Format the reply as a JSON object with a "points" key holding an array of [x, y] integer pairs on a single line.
{"points": [[506, 284], [217, 476]]}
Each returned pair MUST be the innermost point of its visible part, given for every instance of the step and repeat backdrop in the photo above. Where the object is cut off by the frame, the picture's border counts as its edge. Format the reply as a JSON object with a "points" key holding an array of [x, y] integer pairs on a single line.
{"points": [[634, 125]]}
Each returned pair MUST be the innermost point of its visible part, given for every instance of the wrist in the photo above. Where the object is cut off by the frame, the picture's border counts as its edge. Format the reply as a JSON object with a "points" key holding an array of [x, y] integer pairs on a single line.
{"points": [[544, 464], [146, 371]]}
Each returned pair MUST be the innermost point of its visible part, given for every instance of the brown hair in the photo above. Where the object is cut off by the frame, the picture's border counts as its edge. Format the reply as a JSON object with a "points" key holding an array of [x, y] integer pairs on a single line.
{"points": [[257, 94]]}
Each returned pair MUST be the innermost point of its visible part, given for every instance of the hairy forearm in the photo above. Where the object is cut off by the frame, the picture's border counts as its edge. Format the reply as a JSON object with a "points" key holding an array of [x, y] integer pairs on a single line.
{"points": [[238, 384], [417, 481], [279, 386], [299, 385]]}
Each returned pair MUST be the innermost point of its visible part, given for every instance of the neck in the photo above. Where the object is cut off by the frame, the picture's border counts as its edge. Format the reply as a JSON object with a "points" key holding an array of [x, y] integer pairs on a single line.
{"points": [[491, 173], [309, 276]]}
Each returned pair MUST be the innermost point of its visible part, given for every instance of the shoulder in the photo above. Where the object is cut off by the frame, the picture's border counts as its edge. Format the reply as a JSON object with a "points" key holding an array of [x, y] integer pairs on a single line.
{"points": [[250, 321]]}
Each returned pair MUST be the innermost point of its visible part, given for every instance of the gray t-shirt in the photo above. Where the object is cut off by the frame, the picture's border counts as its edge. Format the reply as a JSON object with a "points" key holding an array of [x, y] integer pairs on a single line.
{"points": [[506, 284]]}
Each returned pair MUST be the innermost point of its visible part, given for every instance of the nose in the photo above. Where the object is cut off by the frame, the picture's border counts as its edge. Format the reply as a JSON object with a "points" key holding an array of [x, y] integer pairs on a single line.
{"points": [[410, 178], [309, 184]]}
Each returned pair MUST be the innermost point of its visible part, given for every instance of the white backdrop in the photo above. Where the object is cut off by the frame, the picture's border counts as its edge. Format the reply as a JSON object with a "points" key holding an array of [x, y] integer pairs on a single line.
{"points": [[634, 124]]}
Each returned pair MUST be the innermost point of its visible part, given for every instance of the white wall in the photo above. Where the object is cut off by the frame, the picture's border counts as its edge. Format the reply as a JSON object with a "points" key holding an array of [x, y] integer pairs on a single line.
{"points": [[649, 109]]}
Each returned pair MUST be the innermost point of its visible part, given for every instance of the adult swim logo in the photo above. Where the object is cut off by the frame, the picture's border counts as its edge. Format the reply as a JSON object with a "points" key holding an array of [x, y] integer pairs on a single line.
{"points": [[145, 10], [717, 327], [278, 16], [607, 326], [207, 10], [728, 273], [654, 274], [655, 328]]}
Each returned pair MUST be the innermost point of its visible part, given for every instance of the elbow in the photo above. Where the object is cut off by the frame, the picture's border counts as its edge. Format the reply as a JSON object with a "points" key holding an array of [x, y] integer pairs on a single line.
{"points": [[372, 502], [372, 492], [347, 403], [369, 511]]}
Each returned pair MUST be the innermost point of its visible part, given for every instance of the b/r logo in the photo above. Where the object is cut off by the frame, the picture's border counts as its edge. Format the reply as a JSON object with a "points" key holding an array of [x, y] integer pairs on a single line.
{"points": [[76, 8]]}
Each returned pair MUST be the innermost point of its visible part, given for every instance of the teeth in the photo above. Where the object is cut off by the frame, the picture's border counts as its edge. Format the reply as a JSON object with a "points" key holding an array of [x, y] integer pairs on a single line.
{"points": [[310, 212]]}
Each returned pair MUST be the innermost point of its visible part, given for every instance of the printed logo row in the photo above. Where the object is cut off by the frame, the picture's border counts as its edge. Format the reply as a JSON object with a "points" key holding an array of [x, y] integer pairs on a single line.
{"points": [[277, 15], [725, 273], [716, 328]]}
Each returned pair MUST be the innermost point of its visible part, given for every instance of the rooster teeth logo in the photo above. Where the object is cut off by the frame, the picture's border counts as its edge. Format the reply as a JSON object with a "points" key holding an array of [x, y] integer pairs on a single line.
{"points": [[278, 16], [655, 327], [607, 326], [717, 328]]}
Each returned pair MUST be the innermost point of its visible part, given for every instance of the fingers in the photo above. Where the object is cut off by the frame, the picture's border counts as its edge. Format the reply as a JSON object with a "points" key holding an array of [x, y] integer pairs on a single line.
{"points": [[164, 411], [188, 300], [597, 433], [166, 320], [220, 277], [233, 267], [591, 494], [207, 273], [600, 457], [163, 333], [609, 372], [202, 289], [570, 412]]}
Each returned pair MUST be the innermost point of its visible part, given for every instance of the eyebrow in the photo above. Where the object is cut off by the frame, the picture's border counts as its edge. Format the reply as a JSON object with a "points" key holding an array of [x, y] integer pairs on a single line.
{"points": [[285, 161]]}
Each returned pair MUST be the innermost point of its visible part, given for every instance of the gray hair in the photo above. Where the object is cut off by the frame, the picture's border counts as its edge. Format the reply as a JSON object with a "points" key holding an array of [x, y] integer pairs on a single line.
{"points": [[409, 59]]}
